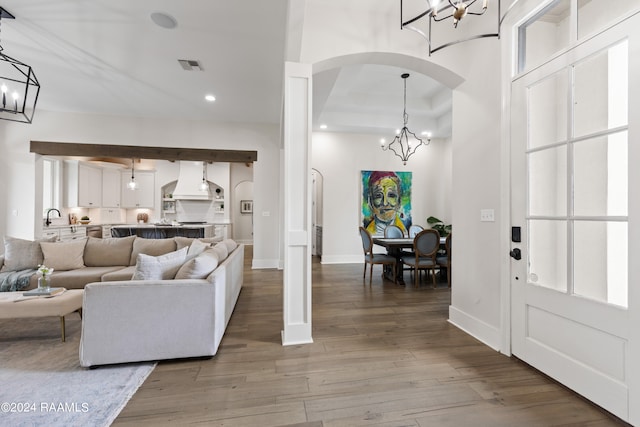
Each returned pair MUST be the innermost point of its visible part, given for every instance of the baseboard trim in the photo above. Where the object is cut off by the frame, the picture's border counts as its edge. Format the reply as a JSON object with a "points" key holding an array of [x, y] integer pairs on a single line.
{"points": [[259, 264], [342, 259], [473, 326]]}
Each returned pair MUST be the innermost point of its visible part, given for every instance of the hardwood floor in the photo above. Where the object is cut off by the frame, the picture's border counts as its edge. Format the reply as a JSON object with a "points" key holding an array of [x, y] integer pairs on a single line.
{"points": [[382, 355]]}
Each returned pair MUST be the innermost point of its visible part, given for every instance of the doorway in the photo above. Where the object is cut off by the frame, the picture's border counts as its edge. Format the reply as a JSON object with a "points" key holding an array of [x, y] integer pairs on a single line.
{"points": [[571, 212]]}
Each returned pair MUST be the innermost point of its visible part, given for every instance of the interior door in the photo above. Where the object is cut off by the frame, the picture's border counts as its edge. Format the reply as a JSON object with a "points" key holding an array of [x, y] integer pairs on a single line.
{"points": [[570, 201]]}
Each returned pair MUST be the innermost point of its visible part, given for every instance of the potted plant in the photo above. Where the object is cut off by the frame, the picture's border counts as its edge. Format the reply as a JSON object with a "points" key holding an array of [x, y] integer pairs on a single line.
{"points": [[439, 225]]}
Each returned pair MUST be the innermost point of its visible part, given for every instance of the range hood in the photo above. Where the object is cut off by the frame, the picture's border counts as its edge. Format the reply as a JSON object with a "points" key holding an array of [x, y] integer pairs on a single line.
{"points": [[189, 180]]}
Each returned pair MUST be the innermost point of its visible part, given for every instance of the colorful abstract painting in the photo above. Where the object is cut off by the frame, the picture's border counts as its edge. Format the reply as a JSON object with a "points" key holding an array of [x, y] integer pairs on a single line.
{"points": [[386, 200]]}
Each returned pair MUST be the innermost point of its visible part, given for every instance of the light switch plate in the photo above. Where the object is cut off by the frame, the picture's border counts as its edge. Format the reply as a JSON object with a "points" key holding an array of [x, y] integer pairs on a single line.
{"points": [[487, 215]]}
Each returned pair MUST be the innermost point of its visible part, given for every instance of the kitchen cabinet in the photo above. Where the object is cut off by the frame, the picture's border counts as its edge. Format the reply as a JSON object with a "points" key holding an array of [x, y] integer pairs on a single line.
{"points": [[83, 185], [143, 196], [111, 188], [72, 232]]}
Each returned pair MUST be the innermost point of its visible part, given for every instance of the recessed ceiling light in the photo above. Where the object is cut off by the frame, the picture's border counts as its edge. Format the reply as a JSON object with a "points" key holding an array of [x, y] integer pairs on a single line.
{"points": [[210, 98], [164, 20], [323, 126]]}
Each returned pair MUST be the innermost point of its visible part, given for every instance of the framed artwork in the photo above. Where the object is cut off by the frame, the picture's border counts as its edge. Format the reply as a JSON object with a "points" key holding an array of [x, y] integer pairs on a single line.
{"points": [[246, 206], [386, 200]]}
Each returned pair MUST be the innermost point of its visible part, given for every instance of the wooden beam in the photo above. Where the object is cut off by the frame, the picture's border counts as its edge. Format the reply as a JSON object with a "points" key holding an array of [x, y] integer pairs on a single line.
{"points": [[139, 152]]}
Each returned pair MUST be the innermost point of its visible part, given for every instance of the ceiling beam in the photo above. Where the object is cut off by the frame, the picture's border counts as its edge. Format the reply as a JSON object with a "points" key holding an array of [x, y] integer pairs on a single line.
{"points": [[138, 152]]}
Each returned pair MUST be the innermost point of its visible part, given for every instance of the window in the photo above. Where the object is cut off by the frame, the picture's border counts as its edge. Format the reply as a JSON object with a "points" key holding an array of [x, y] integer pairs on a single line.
{"points": [[50, 185]]}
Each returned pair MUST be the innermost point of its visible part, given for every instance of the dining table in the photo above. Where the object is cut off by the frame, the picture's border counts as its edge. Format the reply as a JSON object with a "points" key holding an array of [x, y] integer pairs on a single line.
{"points": [[394, 247]]}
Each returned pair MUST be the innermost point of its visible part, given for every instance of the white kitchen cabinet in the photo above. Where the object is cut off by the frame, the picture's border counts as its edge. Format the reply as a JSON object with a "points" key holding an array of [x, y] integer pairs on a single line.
{"points": [[143, 196], [72, 232], [111, 188], [83, 184]]}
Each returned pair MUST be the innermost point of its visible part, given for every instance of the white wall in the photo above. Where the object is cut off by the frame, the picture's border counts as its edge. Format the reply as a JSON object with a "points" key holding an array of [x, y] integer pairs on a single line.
{"points": [[17, 194], [340, 157]]}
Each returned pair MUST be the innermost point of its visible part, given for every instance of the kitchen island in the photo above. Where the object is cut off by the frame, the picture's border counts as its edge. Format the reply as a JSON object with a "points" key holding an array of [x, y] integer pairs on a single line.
{"points": [[163, 231]]}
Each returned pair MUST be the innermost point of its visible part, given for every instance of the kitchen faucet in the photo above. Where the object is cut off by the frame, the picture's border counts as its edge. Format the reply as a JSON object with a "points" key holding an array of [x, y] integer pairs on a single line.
{"points": [[48, 221]]}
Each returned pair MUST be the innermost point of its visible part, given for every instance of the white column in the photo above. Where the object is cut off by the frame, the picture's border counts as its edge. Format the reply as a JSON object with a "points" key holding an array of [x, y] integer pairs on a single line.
{"points": [[297, 204]]}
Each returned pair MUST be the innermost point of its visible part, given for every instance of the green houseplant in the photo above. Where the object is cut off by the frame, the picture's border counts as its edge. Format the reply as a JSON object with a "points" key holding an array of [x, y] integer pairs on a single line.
{"points": [[438, 224]]}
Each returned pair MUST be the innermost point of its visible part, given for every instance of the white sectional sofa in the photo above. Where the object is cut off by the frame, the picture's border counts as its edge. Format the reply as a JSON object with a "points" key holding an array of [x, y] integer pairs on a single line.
{"points": [[144, 299], [131, 321]]}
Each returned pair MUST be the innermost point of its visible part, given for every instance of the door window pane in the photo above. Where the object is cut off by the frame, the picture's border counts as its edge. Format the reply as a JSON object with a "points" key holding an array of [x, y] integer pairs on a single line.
{"points": [[548, 254], [596, 15], [548, 110], [548, 182], [544, 35], [601, 91], [600, 176], [600, 261]]}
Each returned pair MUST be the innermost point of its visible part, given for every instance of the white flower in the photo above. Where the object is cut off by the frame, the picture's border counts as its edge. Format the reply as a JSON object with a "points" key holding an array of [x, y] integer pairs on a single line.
{"points": [[44, 271]]}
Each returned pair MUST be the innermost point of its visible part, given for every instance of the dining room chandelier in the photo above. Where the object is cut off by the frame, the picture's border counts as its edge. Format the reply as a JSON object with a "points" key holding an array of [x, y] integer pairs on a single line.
{"points": [[405, 143], [18, 85], [442, 10]]}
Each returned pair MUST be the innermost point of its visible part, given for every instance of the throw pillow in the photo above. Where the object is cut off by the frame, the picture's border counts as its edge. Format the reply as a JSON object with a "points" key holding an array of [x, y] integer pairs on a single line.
{"points": [[20, 254], [108, 252], [64, 256], [153, 247], [163, 267], [230, 244], [221, 250], [199, 267], [182, 242], [196, 248]]}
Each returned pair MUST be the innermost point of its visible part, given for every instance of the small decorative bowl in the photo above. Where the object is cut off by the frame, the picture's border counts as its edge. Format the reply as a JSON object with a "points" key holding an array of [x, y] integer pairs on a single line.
{"points": [[84, 221]]}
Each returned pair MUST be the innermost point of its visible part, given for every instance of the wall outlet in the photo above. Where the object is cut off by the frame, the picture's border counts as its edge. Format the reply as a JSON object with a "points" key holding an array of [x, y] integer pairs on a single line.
{"points": [[487, 215]]}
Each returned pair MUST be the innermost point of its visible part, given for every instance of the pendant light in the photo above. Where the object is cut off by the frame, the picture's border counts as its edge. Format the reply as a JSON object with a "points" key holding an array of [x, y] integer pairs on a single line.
{"points": [[204, 185], [132, 184]]}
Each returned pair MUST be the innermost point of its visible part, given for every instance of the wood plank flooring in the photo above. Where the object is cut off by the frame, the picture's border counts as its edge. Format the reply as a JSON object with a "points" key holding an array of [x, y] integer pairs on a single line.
{"points": [[383, 355]]}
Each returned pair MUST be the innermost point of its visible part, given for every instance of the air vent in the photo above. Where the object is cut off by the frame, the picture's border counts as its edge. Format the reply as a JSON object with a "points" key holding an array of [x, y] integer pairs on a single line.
{"points": [[190, 64]]}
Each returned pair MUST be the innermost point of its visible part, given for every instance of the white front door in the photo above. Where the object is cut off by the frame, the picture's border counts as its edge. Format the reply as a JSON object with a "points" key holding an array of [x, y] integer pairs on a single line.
{"points": [[572, 134]]}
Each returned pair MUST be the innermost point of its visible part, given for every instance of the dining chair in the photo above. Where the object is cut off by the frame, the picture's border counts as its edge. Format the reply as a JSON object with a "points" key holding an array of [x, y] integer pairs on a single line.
{"points": [[393, 232], [414, 229], [371, 258], [425, 248], [445, 260]]}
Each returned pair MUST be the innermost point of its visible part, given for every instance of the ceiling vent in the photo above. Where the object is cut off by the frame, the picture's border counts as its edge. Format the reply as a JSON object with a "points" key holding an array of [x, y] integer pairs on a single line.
{"points": [[190, 64]]}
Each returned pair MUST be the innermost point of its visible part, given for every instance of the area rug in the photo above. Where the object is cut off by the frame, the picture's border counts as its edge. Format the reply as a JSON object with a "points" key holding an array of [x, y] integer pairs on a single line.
{"points": [[42, 382]]}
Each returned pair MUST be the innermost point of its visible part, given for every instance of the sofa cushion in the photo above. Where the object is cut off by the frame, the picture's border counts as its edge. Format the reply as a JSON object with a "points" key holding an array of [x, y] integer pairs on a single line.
{"points": [[221, 251], [182, 242], [199, 267], [64, 255], [152, 247], [161, 267], [75, 279], [125, 273], [108, 252], [20, 254]]}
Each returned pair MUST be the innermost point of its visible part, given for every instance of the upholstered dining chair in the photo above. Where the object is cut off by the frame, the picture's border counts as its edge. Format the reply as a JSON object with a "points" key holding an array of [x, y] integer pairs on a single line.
{"points": [[414, 229], [371, 258], [425, 248], [445, 260], [393, 232]]}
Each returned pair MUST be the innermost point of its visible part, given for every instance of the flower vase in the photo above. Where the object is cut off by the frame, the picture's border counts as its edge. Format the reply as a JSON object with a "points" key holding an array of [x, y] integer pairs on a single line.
{"points": [[43, 283]]}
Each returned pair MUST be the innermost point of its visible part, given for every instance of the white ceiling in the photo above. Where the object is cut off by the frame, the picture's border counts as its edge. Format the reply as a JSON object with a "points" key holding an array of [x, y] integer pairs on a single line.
{"points": [[108, 57]]}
